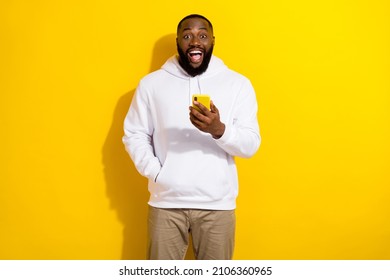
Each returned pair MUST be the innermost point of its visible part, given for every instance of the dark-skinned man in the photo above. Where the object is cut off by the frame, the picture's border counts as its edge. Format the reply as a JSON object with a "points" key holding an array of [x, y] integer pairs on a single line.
{"points": [[187, 151]]}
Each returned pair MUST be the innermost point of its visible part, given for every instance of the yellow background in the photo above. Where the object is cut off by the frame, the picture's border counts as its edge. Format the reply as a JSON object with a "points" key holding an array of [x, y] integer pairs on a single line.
{"points": [[318, 188]]}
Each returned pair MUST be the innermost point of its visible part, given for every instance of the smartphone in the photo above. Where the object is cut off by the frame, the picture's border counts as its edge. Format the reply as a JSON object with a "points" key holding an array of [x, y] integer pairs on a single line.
{"points": [[201, 98]]}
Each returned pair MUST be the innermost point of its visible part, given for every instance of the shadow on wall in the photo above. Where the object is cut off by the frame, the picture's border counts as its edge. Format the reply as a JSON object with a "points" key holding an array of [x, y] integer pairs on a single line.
{"points": [[126, 188]]}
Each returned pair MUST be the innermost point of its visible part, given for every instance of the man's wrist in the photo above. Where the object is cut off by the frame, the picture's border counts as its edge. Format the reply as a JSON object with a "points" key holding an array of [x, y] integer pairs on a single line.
{"points": [[218, 134]]}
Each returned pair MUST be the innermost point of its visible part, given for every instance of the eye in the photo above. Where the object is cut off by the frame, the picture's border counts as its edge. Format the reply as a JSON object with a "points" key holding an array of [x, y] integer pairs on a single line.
{"points": [[203, 36], [186, 37]]}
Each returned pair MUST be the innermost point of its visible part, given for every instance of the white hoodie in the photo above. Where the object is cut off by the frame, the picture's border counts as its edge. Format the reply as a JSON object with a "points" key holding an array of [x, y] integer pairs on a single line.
{"points": [[188, 168]]}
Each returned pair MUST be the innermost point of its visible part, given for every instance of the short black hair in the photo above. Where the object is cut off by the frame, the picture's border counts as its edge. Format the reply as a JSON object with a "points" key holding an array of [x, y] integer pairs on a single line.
{"points": [[194, 16]]}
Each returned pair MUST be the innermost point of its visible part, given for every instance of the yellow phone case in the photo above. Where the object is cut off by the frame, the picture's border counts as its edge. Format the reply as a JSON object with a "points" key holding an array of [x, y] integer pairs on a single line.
{"points": [[203, 99]]}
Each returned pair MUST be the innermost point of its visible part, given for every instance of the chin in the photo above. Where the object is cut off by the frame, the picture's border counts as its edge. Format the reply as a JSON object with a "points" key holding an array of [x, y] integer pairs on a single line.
{"points": [[195, 66]]}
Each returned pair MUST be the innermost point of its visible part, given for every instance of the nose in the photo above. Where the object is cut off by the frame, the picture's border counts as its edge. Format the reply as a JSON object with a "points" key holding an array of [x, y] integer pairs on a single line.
{"points": [[194, 41]]}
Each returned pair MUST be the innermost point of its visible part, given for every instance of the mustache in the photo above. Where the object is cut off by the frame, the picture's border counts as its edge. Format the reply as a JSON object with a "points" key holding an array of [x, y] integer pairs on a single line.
{"points": [[196, 48]]}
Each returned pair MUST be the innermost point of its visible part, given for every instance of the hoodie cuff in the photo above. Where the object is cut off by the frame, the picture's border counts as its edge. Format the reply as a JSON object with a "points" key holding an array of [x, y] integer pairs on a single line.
{"points": [[225, 136]]}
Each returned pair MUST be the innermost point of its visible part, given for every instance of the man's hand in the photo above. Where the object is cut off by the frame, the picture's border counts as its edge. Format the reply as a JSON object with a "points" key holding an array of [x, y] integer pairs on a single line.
{"points": [[207, 120]]}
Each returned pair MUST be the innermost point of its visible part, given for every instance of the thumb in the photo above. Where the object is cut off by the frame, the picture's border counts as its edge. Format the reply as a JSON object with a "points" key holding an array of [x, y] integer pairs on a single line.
{"points": [[213, 108]]}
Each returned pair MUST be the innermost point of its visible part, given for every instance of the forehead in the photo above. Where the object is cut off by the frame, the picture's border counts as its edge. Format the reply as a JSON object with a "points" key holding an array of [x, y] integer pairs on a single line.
{"points": [[194, 23]]}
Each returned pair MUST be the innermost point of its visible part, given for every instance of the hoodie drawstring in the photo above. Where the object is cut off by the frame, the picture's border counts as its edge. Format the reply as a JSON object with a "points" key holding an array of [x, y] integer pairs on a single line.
{"points": [[190, 93]]}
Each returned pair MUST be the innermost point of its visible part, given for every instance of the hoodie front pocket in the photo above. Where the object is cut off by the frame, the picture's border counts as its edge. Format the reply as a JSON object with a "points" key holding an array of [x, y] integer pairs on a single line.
{"points": [[190, 177]]}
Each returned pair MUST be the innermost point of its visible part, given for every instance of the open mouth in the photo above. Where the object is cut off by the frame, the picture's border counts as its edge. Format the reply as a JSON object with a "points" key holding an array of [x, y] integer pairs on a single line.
{"points": [[195, 56]]}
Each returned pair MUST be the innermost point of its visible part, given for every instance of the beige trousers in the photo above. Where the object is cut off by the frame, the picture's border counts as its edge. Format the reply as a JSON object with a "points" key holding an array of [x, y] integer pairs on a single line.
{"points": [[212, 233]]}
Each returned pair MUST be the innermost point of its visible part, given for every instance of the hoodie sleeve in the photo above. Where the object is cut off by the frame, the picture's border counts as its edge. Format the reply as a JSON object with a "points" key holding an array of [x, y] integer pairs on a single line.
{"points": [[242, 135], [138, 138]]}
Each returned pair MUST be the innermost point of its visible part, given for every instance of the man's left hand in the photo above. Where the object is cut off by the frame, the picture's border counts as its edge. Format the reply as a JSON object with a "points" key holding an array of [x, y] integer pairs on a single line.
{"points": [[207, 120]]}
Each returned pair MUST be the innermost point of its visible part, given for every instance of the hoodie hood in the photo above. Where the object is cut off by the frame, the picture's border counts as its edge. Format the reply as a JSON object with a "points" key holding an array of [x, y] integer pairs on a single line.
{"points": [[173, 67]]}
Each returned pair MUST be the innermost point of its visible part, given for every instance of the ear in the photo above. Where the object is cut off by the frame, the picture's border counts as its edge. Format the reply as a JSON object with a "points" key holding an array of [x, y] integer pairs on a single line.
{"points": [[213, 40]]}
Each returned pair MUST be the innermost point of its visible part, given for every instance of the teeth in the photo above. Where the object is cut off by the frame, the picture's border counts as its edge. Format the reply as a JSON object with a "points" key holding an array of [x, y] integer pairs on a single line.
{"points": [[195, 52]]}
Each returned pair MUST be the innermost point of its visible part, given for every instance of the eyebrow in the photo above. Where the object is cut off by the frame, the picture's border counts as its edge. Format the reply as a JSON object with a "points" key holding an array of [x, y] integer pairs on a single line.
{"points": [[188, 28]]}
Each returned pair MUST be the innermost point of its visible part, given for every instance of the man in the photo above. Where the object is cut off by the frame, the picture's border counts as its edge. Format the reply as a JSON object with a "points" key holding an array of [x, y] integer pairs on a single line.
{"points": [[187, 151]]}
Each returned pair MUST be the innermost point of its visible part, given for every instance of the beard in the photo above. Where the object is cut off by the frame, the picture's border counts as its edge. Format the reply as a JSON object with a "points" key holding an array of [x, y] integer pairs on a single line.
{"points": [[192, 71]]}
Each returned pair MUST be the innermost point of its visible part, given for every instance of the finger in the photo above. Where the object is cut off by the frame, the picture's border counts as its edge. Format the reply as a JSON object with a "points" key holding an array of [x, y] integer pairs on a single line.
{"points": [[196, 122], [201, 107], [213, 108], [199, 118], [198, 115]]}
